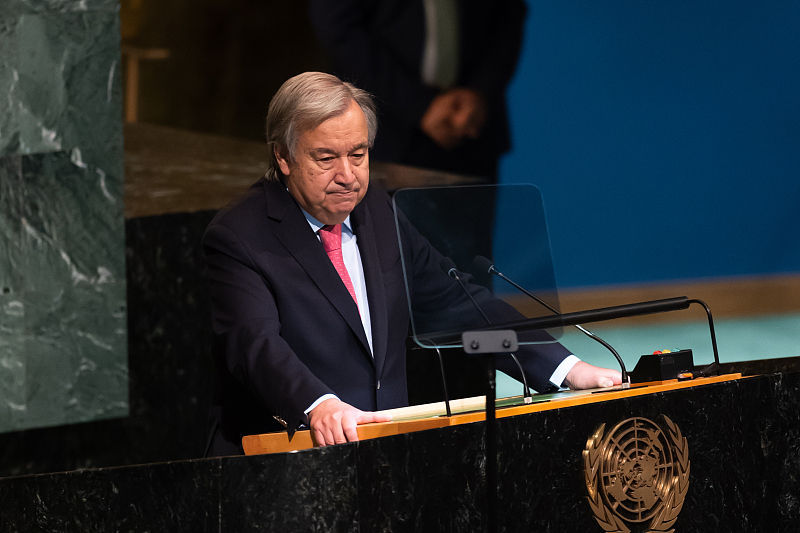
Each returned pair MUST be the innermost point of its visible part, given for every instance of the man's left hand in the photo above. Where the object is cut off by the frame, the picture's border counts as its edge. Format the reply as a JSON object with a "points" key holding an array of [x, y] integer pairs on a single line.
{"points": [[586, 376]]}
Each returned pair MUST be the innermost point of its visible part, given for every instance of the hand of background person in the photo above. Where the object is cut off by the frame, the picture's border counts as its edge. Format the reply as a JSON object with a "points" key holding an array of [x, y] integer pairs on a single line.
{"points": [[469, 112], [437, 122], [334, 422], [586, 376], [453, 115]]}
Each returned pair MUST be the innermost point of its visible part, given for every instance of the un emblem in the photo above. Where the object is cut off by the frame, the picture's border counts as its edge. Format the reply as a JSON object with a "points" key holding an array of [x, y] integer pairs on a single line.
{"points": [[637, 475]]}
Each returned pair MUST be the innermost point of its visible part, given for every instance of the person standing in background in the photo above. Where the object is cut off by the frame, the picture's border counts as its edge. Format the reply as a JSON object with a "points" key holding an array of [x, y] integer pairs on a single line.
{"points": [[439, 70]]}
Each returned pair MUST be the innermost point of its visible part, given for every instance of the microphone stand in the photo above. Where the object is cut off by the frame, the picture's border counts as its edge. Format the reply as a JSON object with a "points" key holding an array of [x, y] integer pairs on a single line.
{"points": [[490, 342], [491, 444], [482, 262], [487, 343], [619, 311]]}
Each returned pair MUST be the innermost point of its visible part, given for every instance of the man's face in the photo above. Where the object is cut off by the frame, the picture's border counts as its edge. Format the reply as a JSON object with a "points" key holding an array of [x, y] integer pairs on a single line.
{"points": [[329, 172]]}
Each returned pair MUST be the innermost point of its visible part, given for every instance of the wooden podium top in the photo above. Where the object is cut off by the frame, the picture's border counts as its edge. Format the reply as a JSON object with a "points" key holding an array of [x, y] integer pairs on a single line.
{"points": [[468, 410]]}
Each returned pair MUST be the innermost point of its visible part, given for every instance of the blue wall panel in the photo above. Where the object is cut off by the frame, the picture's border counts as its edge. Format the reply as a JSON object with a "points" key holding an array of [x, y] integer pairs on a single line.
{"points": [[665, 137]]}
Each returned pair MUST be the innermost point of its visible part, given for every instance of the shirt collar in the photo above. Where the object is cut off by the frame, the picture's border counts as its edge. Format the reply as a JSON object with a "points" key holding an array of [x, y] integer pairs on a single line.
{"points": [[316, 225]]}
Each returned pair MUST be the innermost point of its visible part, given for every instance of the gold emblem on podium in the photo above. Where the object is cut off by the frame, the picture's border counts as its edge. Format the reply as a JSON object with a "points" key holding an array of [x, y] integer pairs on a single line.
{"points": [[637, 475]]}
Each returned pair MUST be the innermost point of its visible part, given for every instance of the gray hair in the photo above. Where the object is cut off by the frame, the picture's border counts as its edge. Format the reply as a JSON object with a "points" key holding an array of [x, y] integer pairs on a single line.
{"points": [[304, 102]]}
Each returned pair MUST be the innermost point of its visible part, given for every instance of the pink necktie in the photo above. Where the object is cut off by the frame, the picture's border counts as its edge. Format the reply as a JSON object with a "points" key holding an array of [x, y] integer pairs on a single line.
{"points": [[331, 237]]}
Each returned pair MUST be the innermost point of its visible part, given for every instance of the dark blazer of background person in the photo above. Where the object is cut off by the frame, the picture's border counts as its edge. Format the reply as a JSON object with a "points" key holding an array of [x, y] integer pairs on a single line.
{"points": [[287, 331], [378, 45]]}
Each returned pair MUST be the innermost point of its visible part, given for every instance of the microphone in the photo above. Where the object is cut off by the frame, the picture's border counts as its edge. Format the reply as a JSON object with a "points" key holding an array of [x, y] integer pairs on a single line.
{"points": [[449, 267], [483, 264]]}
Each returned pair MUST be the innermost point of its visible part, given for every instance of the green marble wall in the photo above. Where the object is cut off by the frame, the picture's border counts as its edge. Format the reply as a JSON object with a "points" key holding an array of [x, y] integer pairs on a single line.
{"points": [[63, 356]]}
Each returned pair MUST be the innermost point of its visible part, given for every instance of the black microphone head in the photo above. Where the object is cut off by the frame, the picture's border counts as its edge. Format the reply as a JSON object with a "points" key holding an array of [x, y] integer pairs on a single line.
{"points": [[482, 264], [449, 267]]}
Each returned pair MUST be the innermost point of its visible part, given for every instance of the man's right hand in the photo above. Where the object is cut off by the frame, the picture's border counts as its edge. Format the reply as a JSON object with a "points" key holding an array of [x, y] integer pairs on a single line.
{"points": [[334, 422]]}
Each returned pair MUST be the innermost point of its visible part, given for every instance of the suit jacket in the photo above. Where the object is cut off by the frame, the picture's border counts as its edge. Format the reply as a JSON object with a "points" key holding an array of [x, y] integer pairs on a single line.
{"points": [[286, 329], [378, 45]]}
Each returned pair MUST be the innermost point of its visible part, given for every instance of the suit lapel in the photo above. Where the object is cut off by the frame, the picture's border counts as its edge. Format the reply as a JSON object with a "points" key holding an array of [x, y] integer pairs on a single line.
{"points": [[364, 229], [296, 235]]}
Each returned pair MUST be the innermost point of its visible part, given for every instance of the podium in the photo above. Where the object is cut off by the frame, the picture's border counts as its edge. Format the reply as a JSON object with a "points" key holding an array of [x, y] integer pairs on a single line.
{"points": [[741, 434]]}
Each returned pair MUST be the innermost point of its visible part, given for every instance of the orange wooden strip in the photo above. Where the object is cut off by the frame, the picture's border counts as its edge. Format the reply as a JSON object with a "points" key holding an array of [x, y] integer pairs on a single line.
{"points": [[387, 429], [279, 442], [276, 443], [301, 440], [603, 395]]}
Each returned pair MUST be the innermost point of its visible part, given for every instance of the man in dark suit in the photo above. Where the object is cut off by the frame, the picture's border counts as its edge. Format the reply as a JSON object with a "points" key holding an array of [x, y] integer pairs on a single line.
{"points": [[310, 310], [439, 70]]}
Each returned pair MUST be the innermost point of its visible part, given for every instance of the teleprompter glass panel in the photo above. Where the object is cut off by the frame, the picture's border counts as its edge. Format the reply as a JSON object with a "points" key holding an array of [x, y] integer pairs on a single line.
{"points": [[479, 234]]}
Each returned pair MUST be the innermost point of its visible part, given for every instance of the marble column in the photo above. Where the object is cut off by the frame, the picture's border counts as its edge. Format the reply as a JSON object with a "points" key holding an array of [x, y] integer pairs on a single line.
{"points": [[63, 338]]}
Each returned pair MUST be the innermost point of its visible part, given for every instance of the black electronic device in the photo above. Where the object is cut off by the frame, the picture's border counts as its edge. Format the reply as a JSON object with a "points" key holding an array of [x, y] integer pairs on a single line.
{"points": [[662, 365]]}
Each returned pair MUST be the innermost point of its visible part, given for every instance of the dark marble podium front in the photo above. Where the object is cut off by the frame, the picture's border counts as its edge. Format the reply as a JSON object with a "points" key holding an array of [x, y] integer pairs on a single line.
{"points": [[743, 443]]}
